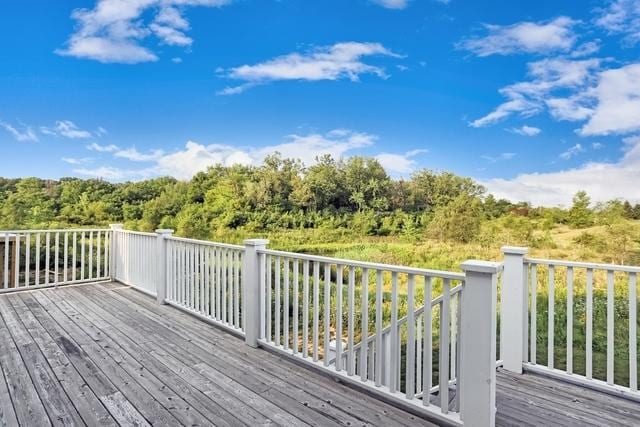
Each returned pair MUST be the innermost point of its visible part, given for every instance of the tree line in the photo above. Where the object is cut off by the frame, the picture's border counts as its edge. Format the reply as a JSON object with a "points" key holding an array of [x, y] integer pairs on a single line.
{"points": [[355, 194]]}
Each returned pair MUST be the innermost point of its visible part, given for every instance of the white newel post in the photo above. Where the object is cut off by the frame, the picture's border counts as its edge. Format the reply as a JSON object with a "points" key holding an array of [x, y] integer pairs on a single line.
{"points": [[113, 249], [477, 382], [253, 292], [513, 321], [162, 262]]}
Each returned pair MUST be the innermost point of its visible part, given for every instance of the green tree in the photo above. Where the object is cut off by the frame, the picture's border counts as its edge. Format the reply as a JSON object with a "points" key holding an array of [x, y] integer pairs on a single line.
{"points": [[458, 221], [580, 214]]}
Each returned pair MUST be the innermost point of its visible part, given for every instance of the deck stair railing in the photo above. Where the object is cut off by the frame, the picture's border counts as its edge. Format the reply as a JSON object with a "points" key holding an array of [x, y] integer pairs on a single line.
{"points": [[318, 309], [597, 321]]}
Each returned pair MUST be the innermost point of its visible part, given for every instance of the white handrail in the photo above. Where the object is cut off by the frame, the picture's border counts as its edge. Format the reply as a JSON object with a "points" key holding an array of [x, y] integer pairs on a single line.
{"points": [[586, 265], [364, 264], [205, 243]]}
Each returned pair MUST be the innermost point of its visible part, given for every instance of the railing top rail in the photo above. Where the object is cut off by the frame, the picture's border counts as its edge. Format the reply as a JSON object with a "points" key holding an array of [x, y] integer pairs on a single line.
{"points": [[370, 265], [587, 265], [137, 233], [52, 230], [206, 243]]}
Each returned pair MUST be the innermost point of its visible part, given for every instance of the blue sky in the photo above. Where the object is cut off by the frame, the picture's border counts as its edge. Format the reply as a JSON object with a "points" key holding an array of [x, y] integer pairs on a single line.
{"points": [[536, 100]]}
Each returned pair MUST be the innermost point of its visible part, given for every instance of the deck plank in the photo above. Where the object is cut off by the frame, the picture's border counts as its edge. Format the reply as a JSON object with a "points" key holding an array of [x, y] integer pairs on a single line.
{"points": [[81, 343], [294, 378], [49, 385], [7, 411], [135, 344], [105, 354], [233, 379], [165, 395], [28, 407], [582, 404], [90, 408], [113, 400]]}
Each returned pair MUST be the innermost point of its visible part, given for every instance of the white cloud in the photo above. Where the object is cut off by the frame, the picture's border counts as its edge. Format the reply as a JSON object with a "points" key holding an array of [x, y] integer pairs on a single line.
{"points": [[573, 108], [392, 4], [176, 60], [102, 148], [499, 157], [131, 153], [572, 152], [77, 161], [601, 180], [116, 174], [68, 129], [548, 76], [26, 134], [526, 130], [529, 37], [195, 157], [597, 145], [400, 163], [105, 172], [134, 155], [586, 49], [621, 17], [340, 61], [183, 164], [113, 31], [618, 102]]}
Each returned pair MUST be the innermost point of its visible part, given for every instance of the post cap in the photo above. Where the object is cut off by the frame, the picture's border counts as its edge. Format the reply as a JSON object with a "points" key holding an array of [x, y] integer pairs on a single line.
{"points": [[477, 266], [256, 242], [165, 231], [116, 226], [514, 250]]}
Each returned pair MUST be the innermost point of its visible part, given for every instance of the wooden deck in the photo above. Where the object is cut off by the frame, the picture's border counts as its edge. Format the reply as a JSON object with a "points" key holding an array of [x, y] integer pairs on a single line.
{"points": [[104, 354]]}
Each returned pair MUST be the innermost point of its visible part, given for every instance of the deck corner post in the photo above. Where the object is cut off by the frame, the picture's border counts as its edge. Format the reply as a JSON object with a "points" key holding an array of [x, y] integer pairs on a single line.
{"points": [[113, 249], [253, 292], [513, 309], [162, 259], [477, 374]]}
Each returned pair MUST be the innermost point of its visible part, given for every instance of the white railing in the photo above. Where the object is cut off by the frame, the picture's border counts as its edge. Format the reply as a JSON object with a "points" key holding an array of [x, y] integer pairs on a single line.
{"points": [[403, 333], [318, 309], [597, 321], [135, 259], [206, 278], [31, 259]]}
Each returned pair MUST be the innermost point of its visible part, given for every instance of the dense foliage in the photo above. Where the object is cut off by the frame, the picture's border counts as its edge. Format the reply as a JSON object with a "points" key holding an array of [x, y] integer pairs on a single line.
{"points": [[356, 195]]}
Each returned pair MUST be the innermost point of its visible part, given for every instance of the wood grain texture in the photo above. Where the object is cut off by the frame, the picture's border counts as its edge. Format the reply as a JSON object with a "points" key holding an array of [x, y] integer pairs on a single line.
{"points": [[105, 354]]}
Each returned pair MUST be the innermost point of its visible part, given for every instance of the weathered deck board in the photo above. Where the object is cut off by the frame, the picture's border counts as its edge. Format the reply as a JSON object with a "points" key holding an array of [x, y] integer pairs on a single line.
{"points": [[218, 347], [107, 354]]}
